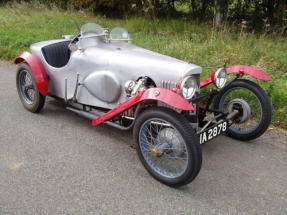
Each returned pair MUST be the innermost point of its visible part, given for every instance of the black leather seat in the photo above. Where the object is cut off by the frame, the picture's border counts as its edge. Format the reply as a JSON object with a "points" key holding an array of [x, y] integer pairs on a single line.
{"points": [[57, 54]]}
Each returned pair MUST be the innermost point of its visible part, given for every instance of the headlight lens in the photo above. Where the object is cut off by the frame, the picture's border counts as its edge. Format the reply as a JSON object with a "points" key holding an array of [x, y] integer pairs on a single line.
{"points": [[188, 87], [220, 78]]}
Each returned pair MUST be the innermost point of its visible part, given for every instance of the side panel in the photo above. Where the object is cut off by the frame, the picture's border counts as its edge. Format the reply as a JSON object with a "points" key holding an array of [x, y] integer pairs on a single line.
{"points": [[240, 69], [104, 85], [158, 94], [37, 69]]}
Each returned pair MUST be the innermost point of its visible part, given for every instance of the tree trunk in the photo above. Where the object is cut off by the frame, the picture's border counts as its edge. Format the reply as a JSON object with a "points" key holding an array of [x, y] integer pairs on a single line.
{"points": [[139, 5], [270, 10], [156, 7], [203, 9], [221, 7], [193, 8]]}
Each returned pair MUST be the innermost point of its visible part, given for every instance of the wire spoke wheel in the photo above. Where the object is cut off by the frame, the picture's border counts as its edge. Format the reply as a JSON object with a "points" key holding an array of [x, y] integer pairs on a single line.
{"points": [[163, 148], [26, 86], [167, 146], [252, 100], [29, 95], [253, 106]]}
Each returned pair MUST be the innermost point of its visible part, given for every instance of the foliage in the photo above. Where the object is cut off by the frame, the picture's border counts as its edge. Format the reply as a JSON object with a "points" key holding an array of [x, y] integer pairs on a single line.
{"points": [[108, 7], [266, 15]]}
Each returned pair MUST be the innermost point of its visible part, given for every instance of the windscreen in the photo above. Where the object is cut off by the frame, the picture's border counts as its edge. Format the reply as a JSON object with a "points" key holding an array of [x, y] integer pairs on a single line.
{"points": [[92, 29], [119, 34]]}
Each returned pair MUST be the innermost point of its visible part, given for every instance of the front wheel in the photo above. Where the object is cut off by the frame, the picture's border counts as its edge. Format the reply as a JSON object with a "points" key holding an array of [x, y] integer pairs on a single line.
{"points": [[167, 146], [254, 108]]}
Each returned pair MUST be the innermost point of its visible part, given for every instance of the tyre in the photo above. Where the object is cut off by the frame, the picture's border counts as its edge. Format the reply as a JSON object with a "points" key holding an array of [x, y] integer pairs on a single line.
{"points": [[167, 146], [254, 107], [30, 97]]}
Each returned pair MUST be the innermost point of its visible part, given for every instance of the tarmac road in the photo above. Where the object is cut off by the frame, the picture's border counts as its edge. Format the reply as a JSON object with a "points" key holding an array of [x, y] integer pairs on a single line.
{"points": [[57, 163]]}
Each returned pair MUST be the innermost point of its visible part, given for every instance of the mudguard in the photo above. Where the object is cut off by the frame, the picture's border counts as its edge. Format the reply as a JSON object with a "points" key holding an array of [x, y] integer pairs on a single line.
{"points": [[242, 70], [37, 69], [158, 94]]}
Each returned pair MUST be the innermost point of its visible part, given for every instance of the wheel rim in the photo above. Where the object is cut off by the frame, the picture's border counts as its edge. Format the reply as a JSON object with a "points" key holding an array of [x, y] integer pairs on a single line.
{"points": [[253, 101], [163, 148], [26, 87]]}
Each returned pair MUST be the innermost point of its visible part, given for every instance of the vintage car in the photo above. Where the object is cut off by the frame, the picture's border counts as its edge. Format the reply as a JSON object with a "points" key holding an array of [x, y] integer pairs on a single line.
{"points": [[100, 75]]}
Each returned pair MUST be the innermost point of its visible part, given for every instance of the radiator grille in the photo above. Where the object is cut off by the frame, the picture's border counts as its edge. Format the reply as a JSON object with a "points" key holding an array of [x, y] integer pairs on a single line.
{"points": [[168, 84]]}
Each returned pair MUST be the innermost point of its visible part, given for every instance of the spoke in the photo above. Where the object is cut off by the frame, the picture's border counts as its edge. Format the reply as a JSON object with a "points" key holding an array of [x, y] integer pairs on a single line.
{"points": [[151, 135], [24, 89], [147, 133], [154, 129], [31, 93], [159, 128], [28, 78], [146, 141], [29, 86], [174, 157], [145, 148]]}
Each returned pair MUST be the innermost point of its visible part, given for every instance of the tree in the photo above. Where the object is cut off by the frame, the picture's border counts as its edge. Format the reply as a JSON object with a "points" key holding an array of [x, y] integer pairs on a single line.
{"points": [[221, 8]]}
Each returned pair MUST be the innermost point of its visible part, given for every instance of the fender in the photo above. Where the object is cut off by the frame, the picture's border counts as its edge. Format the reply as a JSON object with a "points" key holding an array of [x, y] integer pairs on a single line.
{"points": [[37, 69], [157, 94], [242, 70]]}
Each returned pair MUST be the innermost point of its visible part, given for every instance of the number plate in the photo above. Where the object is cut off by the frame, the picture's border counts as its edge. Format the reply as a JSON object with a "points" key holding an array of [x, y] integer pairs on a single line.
{"points": [[213, 132]]}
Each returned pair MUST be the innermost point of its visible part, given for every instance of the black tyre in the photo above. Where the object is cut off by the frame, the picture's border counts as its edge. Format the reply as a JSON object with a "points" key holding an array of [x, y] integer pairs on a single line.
{"points": [[30, 97], [167, 146], [253, 121]]}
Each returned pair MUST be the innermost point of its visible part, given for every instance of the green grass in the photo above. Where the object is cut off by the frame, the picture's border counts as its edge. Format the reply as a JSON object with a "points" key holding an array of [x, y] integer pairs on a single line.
{"points": [[196, 43]]}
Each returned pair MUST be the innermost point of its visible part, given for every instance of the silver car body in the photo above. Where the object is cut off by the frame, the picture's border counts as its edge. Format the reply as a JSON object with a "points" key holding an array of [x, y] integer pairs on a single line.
{"points": [[104, 67]]}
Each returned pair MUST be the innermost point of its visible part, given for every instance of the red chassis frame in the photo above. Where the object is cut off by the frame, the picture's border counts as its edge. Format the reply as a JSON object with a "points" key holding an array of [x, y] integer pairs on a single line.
{"points": [[240, 69], [37, 69]]}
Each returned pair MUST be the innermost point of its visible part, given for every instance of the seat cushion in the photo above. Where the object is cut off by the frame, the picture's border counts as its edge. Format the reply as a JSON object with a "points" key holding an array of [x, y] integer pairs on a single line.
{"points": [[57, 54]]}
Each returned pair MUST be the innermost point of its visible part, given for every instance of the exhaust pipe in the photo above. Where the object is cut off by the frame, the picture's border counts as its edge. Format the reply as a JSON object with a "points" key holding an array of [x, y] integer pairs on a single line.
{"points": [[92, 116]]}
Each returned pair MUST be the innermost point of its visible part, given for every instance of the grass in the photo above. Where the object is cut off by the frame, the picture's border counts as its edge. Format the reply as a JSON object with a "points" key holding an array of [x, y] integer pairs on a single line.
{"points": [[201, 44]]}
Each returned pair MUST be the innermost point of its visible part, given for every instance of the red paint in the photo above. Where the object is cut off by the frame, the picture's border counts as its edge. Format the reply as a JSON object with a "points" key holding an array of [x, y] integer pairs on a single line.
{"points": [[253, 72], [207, 81], [158, 94], [37, 69], [242, 70]]}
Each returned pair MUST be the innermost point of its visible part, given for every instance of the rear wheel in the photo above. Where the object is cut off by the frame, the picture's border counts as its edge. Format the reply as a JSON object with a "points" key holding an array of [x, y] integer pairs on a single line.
{"points": [[167, 146], [253, 105], [30, 97]]}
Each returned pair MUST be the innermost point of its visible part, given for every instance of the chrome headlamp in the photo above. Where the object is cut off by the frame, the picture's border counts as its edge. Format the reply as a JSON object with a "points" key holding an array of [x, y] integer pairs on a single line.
{"points": [[220, 78], [188, 87]]}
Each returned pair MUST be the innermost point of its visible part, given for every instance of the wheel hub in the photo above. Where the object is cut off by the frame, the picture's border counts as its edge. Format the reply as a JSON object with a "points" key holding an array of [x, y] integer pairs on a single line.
{"points": [[155, 152], [243, 108], [168, 141]]}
